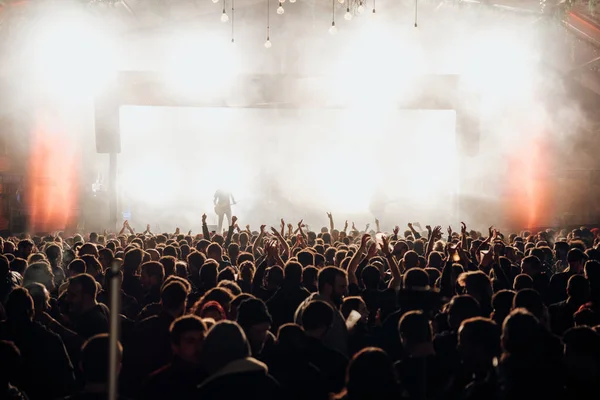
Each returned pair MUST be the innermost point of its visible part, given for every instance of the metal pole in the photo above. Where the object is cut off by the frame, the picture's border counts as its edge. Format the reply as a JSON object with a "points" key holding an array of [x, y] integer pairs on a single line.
{"points": [[113, 336], [112, 191]]}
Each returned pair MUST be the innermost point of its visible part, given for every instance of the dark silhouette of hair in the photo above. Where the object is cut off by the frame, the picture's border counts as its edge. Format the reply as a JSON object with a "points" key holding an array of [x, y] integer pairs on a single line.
{"points": [[317, 315], [414, 327], [370, 375], [523, 281], [327, 277], [292, 273], [19, 306], [95, 358], [184, 324], [173, 296]]}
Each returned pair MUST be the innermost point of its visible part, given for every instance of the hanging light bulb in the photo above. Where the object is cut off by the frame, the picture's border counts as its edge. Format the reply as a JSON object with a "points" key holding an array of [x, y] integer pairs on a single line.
{"points": [[224, 16], [341, 1], [348, 15], [280, 9], [361, 8], [268, 44], [333, 29], [292, 1], [215, 1], [282, 1]]}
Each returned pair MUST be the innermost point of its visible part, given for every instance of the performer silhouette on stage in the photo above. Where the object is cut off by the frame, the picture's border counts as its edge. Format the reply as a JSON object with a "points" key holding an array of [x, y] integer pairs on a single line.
{"points": [[223, 201]]}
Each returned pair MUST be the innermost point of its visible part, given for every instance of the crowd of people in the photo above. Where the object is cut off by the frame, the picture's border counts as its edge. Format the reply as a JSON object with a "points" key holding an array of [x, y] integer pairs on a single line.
{"points": [[286, 313]]}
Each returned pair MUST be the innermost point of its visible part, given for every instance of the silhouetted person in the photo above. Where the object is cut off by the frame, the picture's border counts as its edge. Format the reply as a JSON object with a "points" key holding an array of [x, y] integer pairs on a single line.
{"points": [[371, 375], [88, 317], [317, 320], [47, 370], [180, 378], [284, 303], [95, 368], [233, 373]]}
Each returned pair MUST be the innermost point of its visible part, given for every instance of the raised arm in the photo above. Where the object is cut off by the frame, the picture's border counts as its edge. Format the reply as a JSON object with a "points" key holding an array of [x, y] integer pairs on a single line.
{"points": [[356, 259], [436, 234], [377, 225], [392, 264], [257, 242], [205, 231], [415, 233], [282, 242], [230, 232], [331, 225]]}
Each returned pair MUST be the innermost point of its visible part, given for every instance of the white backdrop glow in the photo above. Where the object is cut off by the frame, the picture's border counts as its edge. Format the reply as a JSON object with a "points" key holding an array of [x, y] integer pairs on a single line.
{"points": [[286, 163]]}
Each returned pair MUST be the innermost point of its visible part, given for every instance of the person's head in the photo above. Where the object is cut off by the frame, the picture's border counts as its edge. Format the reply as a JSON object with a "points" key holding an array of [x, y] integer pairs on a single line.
{"points": [[292, 273], [256, 321], [19, 306], [209, 274], [247, 271], [582, 353], [88, 249], [415, 331], [4, 266], [306, 258], [532, 266], [214, 252], [578, 289], [502, 305], [462, 308], [411, 260], [592, 274], [187, 337], [530, 300], [478, 285], [224, 343], [415, 278], [213, 310], [11, 364], [522, 334], [576, 259], [355, 303], [273, 277], [152, 274], [173, 297], [226, 274], [40, 296], [92, 266], [39, 272], [371, 375], [132, 261], [81, 293], [95, 359], [18, 265], [479, 342], [309, 277], [435, 260], [522, 281], [105, 257], [53, 254], [317, 319], [168, 264], [25, 248], [370, 277], [333, 284]]}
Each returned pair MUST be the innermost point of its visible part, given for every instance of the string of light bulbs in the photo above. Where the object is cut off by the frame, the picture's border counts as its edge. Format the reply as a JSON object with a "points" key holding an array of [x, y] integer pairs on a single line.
{"points": [[280, 9], [224, 16], [232, 19], [268, 42], [333, 29], [373, 6]]}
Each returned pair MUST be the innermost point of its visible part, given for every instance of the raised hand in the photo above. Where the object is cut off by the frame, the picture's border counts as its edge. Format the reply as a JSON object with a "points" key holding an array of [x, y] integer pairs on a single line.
{"points": [[372, 250], [363, 241], [329, 215], [449, 230], [376, 221], [437, 232], [301, 224], [428, 227], [345, 225], [396, 230], [275, 231], [233, 220], [290, 226], [367, 227], [203, 218], [282, 223], [248, 227], [385, 248], [354, 227], [491, 231], [410, 226], [463, 228], [262, 228], [190, 232], [177, 231]]}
